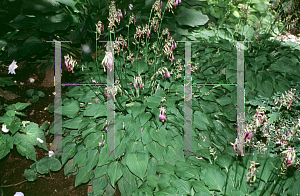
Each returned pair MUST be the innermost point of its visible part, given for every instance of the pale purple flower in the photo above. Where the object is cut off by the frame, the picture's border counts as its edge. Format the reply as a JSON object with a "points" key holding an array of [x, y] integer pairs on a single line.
{"points": [[167, 74], [121, 15], [162, 117], [179, 1], [130, 6], [148, 33], [141, 130], [134, 85]]}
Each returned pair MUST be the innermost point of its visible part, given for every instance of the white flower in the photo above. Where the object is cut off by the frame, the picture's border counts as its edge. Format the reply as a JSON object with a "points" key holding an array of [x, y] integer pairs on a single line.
{"points": [[19, 194], [51, 153], [40, 140], [31, 80], [4, 129], [12, 67], [25, 122]]}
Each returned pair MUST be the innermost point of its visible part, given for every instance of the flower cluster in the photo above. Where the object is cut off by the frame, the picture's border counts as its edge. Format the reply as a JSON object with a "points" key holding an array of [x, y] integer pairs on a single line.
{"points": [[120, 41], [288, 98], [289, 158], [170, 45], [132, 19], [70, 63], [157, 8], [99, 28], [163, 72], [278, 135], [114, 90], [171, 3], [114, 16], [250, 174], [178, 69]]}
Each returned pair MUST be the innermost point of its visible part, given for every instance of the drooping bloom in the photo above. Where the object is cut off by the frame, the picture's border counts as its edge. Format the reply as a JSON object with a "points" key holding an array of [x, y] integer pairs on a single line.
{"points": [[12, 67], [148, 33], [175, 3]]}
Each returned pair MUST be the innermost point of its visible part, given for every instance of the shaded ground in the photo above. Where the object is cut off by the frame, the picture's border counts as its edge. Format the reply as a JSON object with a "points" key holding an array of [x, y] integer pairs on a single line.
{"points": [[13, 165]]}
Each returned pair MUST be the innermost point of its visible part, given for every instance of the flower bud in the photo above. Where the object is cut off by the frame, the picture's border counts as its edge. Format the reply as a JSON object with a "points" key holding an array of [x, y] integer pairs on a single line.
{"points": [[134, 85]]}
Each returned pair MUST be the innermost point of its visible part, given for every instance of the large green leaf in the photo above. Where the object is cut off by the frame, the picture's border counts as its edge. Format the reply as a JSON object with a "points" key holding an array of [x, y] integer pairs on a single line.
{"points": [[23, 21], [47, 164], [187, 173], [92, 159], [93, 140], [83, 176], [159, 135], [99, 184], [114, 172], [69, 151], [182, 186], [191, 17], [200, 120], [24, 146], [71, 109], [213, 178], [69, 168], [137, 163], [155, 149], [80, 158], [6, 145]]}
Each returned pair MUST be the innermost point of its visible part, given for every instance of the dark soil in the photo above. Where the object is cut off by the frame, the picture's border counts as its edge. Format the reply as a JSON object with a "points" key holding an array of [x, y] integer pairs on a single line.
{"points": [[13, 165]]}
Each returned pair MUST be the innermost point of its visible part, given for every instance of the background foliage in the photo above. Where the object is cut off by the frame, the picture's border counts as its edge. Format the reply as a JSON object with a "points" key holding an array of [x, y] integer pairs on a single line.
{"points": [[149, 164]]}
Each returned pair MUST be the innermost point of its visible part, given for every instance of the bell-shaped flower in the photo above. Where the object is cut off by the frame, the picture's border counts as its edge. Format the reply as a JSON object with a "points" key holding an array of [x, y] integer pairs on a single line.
{"points": [[40, 140], [50, 153], [19, 194], [12, 67], [4, 129]]}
